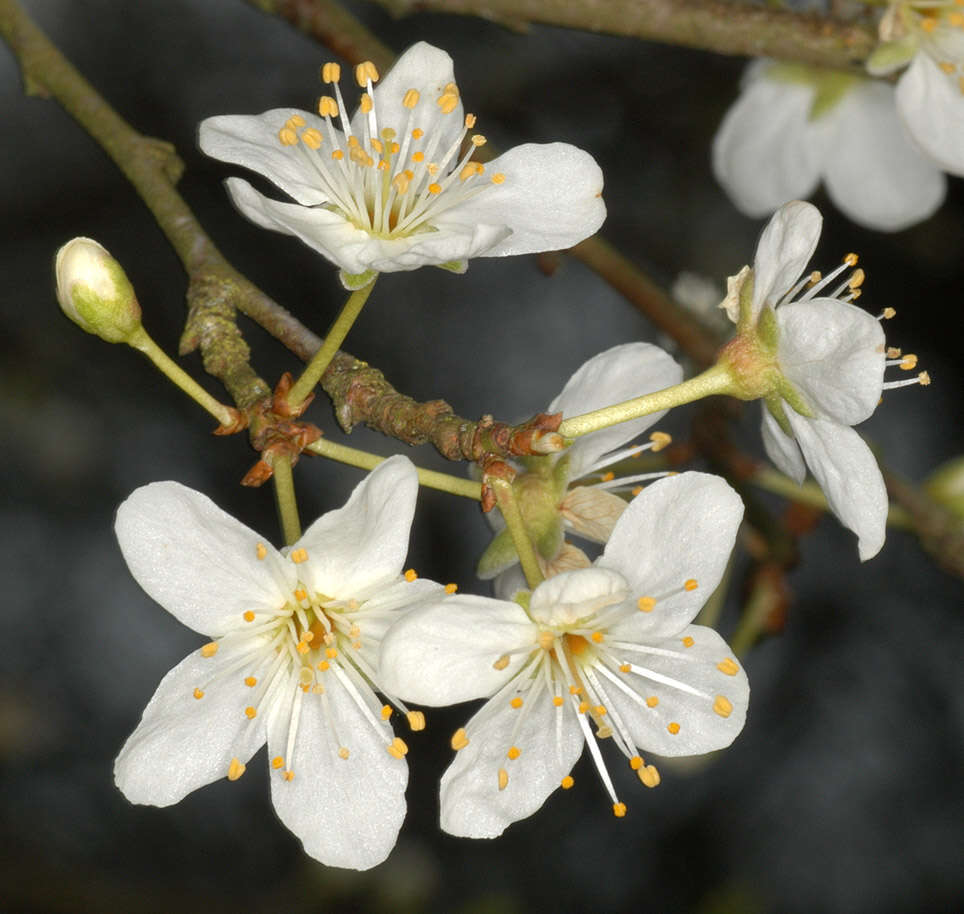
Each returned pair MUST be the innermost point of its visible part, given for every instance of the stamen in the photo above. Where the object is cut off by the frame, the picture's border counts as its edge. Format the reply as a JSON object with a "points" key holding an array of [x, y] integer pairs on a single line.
{"points": [[619, 810], [299, 555], [887, 314], [397, 748], [503, 779], [923, 379], [411, 99], [728, 666], [451, 588], [277, 762], [649, 776], [261, 551], [673, 727], [459, 739], [209, 649], [331, 72], [722, 706], [567, 782], [236, 769], [365, 72], [386, 711], [198, 694], [327, 107], [410, 575], [416, 720]]}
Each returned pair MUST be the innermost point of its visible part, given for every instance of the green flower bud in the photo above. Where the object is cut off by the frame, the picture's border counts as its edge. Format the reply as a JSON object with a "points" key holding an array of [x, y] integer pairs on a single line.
{"points": [[946, 485], [94, 292]]}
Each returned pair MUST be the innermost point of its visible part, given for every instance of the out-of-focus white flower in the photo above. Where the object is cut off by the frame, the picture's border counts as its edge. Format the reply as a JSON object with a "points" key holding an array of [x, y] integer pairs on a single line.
{"points": [[929, 35], [609, 646], [572, 490], [392, 190], [793, 126], [292, 660], [818, 362]]}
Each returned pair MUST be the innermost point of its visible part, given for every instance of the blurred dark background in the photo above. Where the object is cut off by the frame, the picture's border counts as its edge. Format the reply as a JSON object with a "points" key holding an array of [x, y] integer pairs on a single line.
{"points": [[843, 792]]}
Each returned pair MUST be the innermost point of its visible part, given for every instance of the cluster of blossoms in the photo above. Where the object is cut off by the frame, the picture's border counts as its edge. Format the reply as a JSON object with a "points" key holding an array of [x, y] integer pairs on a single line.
{"points": [[880, 150], [578, 652]]}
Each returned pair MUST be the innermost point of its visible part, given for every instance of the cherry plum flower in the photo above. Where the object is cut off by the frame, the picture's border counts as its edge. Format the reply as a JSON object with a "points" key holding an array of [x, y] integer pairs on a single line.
{"points": [[390, 189], [609, 647], [291, 660]]}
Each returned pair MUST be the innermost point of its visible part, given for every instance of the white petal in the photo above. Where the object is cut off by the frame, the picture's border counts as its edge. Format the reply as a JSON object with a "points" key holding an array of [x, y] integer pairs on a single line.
{"points": [[701, 728], [572, 596], [783, 251], [931, 106], [440, 245], [182, 742], [252, 141], [591, 512], [347, 812], [444, 653], [428, 70], [363, 545], [679, 528], [782, 449], [509, 582], [550, 741], [197, 561], [874, 173], [621, 373], [834, 353], [849, 476], [767, 150], [551, 199]]}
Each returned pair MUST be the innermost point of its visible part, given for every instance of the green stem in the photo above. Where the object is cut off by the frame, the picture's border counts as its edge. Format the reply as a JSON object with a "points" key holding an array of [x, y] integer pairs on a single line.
{"points": [[141, 341], [454, 485], [284, 490], [715, 380], [329, 348], [505, 497]]}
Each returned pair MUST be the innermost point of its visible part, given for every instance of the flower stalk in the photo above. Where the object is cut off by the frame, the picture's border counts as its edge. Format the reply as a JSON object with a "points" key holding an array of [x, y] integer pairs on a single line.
{"points": [[284, 490], [505, 498]]}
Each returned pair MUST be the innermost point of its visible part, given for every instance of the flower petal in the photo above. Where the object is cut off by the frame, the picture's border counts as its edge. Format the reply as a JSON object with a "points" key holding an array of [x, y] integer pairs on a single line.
{"points": [[551, 199], [252, 141], [782, 449], [849, 476], [361, 546], [346, 811], [931, 106], [183, 742], [197, 561], [591, 512], [620, 373], [573, 596], [875, 173], [767, 150], [783, 251], [679, 528], [705, 722], [510, 582], [550, 741], [834, 353], [444, 652]]}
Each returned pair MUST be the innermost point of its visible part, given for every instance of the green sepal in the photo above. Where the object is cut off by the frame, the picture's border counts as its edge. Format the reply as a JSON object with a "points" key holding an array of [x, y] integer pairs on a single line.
{"points": [[499, 555], [767, 331], [775, 405], [889, 56], [746, 282], [793, 398], [454, 266], [829, 86], [522, 597], [355, 281]]}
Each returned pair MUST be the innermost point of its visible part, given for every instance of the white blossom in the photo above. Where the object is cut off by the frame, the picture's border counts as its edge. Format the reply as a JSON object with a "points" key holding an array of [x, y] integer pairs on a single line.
{"points": [[611, 647], [391, 189], [291, 660], [794, 126]]}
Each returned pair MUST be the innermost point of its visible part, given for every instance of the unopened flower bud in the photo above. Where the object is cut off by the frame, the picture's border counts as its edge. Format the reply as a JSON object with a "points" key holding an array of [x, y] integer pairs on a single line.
{"points": [[946, 485], [94, 292]]}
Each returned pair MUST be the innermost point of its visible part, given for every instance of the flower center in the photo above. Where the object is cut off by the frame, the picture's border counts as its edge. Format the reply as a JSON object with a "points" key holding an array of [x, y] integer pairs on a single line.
{"points": [[387, 182]]}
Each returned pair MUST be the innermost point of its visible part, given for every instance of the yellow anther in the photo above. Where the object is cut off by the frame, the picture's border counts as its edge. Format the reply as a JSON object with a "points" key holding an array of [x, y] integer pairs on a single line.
{"points": [[597, 637], [498, 178], [652, 701], [343, 752], [583, 707], [209, 649], [418, 156], [924, 379], [400, 182], [503, 779], [365, 71], [619, 810], [469, 121], [301, 594], [289, 776], [418, 133], [382, 165], [625, 668], [646, 604], [691, 584], [909, 362], [248, 616], [432, 168], [198, 694], [416, 720], [236, 769], [411, 99], [261, 551], [722, 706], [394, 148], [574, 690], [850, 260], [459, 739], [448, 102], [566, 782], [397, 748], [960, 84], [468, 171], [600, 710], [377, 146], [451, 588], [928, 24], [546, 640], [295, 121], [688, 641], [636, 762], [893, 352], [365, 103], [516, 702], [311, 138], [435, 188], [327, 106], [728, 666], [324, 666], [857, 278], [636, 490], [649, 776], [501, 663], [360, 157], [302, 647], [337, 154], [889, 313], [277, 762], [660, 440], [250, 713], [410, 575], [956, 20], [947, 67], [673, 728], [478, 140], [305, 676], [815, 277], [331, 652], [558, 701], [513, 753], [250, 681], [608, 476], [288, 137], [299, 555], [331, 72]]}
